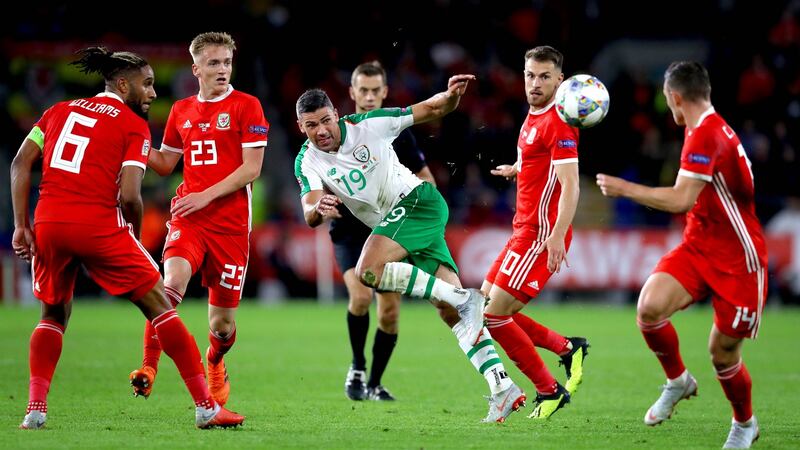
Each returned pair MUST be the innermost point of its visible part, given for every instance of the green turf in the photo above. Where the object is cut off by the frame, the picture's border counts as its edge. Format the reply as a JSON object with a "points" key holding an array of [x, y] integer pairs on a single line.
{"points": [[288, 366]]}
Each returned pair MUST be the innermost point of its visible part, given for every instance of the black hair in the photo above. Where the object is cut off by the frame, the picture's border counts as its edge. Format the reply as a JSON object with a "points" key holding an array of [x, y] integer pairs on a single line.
{"points": [[690, 79], [107, 63], [312, 100]]}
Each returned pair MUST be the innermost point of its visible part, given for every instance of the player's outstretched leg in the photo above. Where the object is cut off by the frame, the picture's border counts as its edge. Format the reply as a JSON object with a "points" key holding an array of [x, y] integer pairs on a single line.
{"points": [[179, 345], [551, 395], [676, 389], [143, 378], [405, 278], [471, 313], [506, 396]]}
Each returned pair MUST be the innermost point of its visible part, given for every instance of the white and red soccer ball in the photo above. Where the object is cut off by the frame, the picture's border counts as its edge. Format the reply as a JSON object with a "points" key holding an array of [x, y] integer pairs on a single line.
{"points": [[582, 101]]}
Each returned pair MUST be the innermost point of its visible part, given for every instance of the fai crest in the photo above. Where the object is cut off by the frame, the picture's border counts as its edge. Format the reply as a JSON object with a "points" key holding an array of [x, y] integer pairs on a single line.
{"points": [[361, 154], [223, 121]]}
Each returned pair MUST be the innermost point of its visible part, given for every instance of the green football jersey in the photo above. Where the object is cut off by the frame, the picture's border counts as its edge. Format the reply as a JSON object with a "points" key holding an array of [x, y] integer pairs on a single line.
{"points": [[365, 172]]}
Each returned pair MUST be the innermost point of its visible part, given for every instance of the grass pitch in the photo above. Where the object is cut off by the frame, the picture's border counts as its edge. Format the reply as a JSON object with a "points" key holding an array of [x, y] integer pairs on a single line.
{"points": [[288, 366]]}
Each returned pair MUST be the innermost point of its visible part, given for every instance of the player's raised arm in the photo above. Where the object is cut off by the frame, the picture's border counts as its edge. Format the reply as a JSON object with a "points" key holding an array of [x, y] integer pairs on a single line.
{"points": [[319, 206], [442, 103], [23, 240], [675, 199]]}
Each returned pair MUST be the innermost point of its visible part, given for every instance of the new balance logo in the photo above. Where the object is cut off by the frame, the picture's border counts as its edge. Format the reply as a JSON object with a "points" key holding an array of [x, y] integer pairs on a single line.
{"points": [[534, 284], [187, 124]]}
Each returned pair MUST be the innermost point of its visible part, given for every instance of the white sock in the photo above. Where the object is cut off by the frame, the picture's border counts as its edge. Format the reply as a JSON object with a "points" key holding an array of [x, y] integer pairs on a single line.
{"points": [[747, 423], [681, 379], [484, 358], [410, 280]]}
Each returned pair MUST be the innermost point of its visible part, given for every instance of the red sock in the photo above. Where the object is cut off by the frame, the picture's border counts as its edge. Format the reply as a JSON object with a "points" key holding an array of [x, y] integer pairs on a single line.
{"points": [[179, 345], [662, 339], [219, 347], [45, 350], [152, 348], [737, 385], [521, 350], [541, 336]]}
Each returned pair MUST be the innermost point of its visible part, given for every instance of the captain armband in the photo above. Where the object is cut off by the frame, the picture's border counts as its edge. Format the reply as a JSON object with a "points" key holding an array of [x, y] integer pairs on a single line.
{"points": [[37, 136]]}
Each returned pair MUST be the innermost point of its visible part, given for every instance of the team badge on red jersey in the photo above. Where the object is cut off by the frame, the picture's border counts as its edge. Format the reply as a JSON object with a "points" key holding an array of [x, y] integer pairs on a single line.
{"points": [[175, 235], [223, 121], [145, 147]]}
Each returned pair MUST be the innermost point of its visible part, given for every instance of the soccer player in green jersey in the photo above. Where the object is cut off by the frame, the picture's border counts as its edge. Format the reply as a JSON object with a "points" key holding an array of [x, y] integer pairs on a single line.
{"points": [[368, 89], [351, 161]]}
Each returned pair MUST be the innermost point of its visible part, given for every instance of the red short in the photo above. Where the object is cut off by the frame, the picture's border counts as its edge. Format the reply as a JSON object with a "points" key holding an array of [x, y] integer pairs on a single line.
{"points": [[114, 259], [738, 299], [519, 271], [220, 258]]}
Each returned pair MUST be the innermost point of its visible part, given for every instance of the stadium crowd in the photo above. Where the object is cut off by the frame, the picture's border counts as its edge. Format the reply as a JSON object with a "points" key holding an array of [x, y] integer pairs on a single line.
{"points": [[755, 71]]}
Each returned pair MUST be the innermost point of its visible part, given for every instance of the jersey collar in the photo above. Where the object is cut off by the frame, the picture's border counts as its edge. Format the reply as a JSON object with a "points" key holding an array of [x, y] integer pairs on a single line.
{"points": [[539, 112], [110, 95], [703, 116], [217, 99], [343, 130]]}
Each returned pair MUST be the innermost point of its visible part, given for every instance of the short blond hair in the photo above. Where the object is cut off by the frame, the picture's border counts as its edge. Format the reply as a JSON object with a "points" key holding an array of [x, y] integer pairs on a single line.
{"points": [[201, 41]]}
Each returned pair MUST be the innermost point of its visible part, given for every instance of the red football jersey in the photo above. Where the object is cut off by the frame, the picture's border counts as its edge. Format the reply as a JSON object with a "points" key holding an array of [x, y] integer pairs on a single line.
{"points": [[86, 143], [722, 225], [544, 142], [211, 135]]}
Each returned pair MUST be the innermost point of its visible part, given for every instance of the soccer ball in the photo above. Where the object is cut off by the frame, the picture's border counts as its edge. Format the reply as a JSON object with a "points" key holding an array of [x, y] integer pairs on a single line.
{"points": [[582, 101]]}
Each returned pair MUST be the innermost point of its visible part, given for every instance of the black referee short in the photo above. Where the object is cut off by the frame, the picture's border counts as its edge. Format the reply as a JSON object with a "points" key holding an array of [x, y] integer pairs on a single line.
{"points": [[348, 235]]}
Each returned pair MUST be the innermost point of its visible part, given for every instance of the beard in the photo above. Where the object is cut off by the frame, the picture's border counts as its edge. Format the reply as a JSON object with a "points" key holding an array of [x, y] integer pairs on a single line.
{"points": [[541, 101], [136, 106]]}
